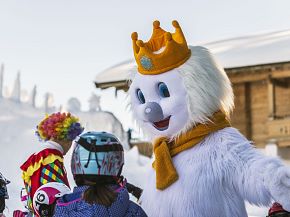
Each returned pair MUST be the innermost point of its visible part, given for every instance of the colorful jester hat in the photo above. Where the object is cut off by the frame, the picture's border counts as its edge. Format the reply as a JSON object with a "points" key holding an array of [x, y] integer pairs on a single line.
{"points": [[163, 52], [59, 126]]}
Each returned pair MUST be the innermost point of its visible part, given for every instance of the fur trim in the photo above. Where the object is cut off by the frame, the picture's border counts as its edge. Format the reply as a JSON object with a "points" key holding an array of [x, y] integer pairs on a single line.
{"points": [[207, 85]]}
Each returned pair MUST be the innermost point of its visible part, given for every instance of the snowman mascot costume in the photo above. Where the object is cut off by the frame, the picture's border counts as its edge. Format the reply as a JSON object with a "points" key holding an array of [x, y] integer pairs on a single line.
{"points": [[203, 167]]}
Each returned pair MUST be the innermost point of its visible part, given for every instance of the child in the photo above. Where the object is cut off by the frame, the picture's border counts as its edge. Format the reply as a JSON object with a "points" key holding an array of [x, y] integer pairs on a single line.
{"points": [[3, 193], [58, 131], [45, 198], [24, 200], [96, 164]]}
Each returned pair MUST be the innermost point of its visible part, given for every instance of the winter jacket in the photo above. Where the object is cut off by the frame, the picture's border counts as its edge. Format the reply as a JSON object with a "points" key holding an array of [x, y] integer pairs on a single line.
{"points": [[43, 167], [72, 205], [3, 188], [19, 213]]}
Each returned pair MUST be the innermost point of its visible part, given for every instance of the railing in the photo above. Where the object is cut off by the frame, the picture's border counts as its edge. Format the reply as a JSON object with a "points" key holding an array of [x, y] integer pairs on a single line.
{"points": [[279, 130]]}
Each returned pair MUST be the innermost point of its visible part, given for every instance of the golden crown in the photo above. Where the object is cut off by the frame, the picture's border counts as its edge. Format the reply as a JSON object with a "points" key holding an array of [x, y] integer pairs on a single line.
{"points": [[163, 52]]}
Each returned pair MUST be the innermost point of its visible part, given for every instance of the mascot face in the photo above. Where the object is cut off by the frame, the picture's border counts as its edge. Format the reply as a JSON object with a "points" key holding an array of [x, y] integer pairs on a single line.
{"points": [[176, 86], [159, 103], [170, 103]]}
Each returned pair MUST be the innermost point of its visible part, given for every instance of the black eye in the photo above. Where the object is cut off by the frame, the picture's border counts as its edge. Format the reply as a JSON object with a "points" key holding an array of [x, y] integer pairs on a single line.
{"points": [[163, 90], [140, 96]]}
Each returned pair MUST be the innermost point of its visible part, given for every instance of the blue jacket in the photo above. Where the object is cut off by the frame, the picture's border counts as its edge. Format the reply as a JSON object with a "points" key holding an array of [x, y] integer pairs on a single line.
{"points": [[72, 205]]}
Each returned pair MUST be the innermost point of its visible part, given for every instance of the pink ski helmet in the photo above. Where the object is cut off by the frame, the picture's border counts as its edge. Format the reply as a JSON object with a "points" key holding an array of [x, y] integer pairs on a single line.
{"points": [[47, 194]]}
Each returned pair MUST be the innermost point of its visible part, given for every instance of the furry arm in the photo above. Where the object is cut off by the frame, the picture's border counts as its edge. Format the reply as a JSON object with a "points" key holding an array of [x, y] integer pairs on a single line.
{"points": [[259, 179]]}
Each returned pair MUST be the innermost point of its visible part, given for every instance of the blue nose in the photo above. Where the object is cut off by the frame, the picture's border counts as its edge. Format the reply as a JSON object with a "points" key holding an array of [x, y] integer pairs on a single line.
{"points": [[153, 112]]}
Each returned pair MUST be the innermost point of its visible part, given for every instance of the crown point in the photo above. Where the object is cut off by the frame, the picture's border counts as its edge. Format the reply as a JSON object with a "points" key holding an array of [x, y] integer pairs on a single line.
{"points": [[134, 36], [175, 53], [140, 43], [175, 24], [156, 24], [168, 36]]}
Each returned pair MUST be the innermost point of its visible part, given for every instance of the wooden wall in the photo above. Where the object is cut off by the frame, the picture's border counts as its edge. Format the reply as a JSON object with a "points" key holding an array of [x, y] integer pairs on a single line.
{"points": [[259, 110], [238, 117], [251, 111], [282, 101], [262, 102]]}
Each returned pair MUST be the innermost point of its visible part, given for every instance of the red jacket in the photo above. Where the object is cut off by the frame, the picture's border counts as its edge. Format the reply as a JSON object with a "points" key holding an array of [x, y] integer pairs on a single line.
{"points": [[41, 168]]}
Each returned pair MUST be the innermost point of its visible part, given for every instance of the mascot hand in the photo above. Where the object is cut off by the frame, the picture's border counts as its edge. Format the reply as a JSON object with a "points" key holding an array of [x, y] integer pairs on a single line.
{"points": [[280, 187]]}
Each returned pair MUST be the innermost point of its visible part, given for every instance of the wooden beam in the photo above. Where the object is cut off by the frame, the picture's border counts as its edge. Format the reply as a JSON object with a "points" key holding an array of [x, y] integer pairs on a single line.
{"points": [[253, 77], [281, 83], [281, 74], [244, 77], [271, 99], [248, 111], [118, 84]]}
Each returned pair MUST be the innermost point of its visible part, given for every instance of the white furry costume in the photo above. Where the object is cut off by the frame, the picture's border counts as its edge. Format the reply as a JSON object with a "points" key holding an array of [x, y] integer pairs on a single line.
{"points": [[217, 175]]}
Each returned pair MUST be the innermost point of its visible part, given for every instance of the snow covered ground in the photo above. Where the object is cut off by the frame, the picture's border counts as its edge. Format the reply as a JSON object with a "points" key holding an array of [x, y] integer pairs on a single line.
{"points": [[17, 142]]}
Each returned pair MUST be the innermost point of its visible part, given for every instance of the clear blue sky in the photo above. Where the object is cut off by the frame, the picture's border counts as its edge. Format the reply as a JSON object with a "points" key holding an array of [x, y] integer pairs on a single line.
{"points": [[61, 45]]}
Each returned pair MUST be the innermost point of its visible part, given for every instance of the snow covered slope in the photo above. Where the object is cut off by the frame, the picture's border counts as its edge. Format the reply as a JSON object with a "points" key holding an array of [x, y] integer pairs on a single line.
{"points": [[17, 142]]}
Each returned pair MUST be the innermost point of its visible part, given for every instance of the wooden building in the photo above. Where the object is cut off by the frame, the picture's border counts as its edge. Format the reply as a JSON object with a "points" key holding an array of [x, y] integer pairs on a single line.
{"points": [[259, 69], [262, 102]]}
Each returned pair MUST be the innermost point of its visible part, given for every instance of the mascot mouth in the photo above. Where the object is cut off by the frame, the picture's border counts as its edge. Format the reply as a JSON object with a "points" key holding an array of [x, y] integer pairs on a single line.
{"points": [[163, 124]]}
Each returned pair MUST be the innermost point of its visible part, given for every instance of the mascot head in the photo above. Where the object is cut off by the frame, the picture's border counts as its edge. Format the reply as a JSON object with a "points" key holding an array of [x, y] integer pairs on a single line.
{"points": [[175, 86]]}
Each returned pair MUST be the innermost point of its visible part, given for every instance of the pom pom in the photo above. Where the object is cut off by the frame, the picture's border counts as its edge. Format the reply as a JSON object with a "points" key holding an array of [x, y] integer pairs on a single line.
{"points": [[175, 24], [156, 24], [134, 36], [59, 126]]}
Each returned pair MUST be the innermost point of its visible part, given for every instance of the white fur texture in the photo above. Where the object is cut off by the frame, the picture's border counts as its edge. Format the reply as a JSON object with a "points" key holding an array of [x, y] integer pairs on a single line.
{"points": [[203, 84], [207, 86], [174, 106], [219, 174], [215, 177]]}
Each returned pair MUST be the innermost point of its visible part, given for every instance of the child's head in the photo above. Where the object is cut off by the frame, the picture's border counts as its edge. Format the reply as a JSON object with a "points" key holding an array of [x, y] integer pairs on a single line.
{"points": [[45, 197], [62, 128], [97, 161]]}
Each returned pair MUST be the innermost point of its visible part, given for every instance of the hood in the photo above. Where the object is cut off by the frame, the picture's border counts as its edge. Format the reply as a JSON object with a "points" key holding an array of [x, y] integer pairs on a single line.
{"points": [[71, 204]]}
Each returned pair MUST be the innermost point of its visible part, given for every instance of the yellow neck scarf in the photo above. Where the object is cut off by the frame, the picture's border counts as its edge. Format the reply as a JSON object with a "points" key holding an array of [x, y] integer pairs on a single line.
{"points": [[164, 150]]}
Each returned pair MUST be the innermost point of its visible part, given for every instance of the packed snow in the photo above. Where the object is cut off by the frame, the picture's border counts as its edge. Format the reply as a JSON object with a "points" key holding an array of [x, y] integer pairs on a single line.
{"points": [[17, 142], [17, 124]]}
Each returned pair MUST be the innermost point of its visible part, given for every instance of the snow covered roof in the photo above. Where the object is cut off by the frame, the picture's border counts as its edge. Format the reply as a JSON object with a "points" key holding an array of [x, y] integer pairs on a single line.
{"points": [[121, 69], [113, 75], [250, 50]]}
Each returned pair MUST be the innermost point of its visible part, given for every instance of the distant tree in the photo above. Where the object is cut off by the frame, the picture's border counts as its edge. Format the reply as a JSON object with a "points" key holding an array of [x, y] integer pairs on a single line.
{"points": [[73, 105], [94, 103], [1, 80], [16, 92], [33, 96]]}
